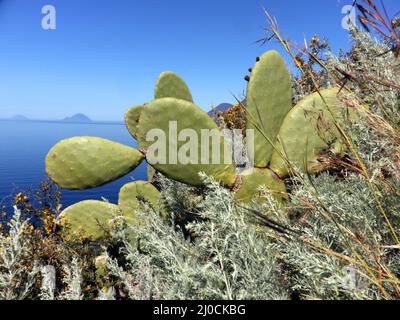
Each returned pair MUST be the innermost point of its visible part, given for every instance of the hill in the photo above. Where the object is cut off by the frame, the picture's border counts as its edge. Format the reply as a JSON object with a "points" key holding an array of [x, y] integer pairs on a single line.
{"points": [[19, 118], [220, 108], [78, 118]]}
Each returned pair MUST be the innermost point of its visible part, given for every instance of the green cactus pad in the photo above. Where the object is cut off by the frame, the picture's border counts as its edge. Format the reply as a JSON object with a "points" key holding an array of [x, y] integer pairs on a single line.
{"points": [[252, 179], [307, 130], [170, 85], [133, 194], [132, 119], [88, 162], [161, 115], [88, 220], [269, 99]]}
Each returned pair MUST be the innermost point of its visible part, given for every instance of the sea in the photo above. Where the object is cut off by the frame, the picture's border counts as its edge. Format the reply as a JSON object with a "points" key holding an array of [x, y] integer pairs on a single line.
{"points": [[25, 144]]}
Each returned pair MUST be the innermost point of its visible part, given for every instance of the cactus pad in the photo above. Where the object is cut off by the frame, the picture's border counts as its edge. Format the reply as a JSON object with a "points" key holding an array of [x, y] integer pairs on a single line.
{"points": [[88, 219], [162, 115], [89, 162], [252, 179], [269, 99], [170, 85], [307, 130], [132, 119], [133, 194]]}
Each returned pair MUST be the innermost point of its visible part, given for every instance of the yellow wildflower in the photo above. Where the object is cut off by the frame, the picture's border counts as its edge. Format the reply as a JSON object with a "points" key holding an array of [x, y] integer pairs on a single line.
{"points": [[315, 39], [298, 62]]}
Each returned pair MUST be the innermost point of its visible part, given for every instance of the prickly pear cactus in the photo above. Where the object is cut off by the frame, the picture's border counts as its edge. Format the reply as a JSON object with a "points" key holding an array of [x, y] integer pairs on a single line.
{"points": [[88, 220], [269, 99], [170, 85], [252, 179], [164, 119], [89, 162], [167, 126], [307, 130], [133, 194]]}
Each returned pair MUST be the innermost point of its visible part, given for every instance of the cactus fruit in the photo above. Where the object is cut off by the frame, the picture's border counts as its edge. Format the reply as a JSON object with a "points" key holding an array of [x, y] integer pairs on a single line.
{"points": [[252, 179], [170, 85], [88, 162], [307, 130], [160, 115], [269, 99], [133, 194], [88, 220], [132, 119]]}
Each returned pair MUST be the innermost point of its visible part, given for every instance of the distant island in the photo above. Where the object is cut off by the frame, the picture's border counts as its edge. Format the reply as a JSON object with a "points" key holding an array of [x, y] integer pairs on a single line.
{"points": [[78, 118], [18, 117], [81, 118]]}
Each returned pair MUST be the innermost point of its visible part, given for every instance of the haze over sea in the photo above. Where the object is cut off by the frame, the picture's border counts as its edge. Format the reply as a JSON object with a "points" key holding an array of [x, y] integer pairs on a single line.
{"points": [[23, 148]]}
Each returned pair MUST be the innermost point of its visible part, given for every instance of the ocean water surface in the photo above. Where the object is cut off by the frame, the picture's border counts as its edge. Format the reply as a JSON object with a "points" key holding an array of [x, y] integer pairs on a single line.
{"points": [[23, 148]]}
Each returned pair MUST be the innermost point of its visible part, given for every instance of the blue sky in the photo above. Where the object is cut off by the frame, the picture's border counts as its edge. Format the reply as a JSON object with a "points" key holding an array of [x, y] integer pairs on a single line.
{"points": [[105, 56]]}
